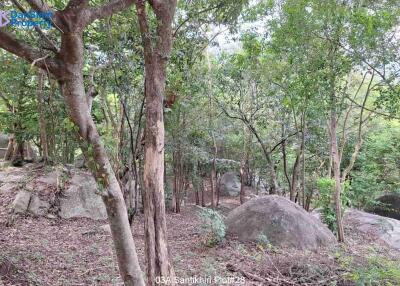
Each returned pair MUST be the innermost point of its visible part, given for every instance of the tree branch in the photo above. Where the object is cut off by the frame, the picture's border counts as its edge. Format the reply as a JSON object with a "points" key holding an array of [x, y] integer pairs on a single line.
{"points": [[24, 51], [283, 140], [52, 46], [109, 9], [197, 13], [39, 5]]}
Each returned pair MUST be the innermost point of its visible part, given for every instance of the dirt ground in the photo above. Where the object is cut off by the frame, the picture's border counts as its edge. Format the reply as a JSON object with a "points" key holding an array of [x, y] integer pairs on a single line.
{"points": [[56, 252]]}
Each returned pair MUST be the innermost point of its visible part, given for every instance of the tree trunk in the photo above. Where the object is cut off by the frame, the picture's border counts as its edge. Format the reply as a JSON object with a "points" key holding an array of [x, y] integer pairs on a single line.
{"points": [[42, 121], [336, 165], [72, 87], [295, 175], [156, 52], [217, 186], [203, 203], [158, 264], [213, 191], [303, 164], [18, 154], [242, 183], [10, 148], [196, 193]]}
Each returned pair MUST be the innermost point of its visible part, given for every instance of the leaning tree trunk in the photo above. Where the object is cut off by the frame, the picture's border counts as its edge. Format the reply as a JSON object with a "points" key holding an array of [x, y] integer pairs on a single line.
{"points": [[72, 86]]}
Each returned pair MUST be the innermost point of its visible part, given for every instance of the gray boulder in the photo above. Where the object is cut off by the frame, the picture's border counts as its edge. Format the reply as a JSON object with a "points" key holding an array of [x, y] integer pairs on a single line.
{"points": [[229, 184], [386, 229], [81, 200], [38, 207], [21, 202], [27, 202], [282, 222]]}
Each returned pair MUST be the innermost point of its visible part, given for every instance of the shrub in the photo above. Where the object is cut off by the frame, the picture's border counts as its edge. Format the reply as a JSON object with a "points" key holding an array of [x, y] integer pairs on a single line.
{"points": [[212, 227], [325, 202], [378, 272]]}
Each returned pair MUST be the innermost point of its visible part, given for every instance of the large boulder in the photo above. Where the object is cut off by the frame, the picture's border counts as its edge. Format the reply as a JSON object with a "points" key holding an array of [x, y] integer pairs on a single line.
{"points": [[229, 184], [389, 206], [386, 229], [81, 200], [282, 222]]}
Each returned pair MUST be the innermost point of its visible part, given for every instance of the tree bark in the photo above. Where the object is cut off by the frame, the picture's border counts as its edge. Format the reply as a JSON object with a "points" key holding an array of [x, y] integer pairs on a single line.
{"points": [[203, 189], [10, 148], [336, 163], [73, 90], [295, 175], [42, 120], [242, 183], [156, 53], [67, 66]]}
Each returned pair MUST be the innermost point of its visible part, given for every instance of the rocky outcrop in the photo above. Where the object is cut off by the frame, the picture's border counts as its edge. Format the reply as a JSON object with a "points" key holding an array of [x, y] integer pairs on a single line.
{"points": [[67, 193], [385, 229], [280, 221], [229, 184], [81, 199], [28, 202]]}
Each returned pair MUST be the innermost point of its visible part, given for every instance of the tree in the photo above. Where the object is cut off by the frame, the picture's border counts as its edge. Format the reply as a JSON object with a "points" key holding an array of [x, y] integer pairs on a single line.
{"points": [[66, 65]]}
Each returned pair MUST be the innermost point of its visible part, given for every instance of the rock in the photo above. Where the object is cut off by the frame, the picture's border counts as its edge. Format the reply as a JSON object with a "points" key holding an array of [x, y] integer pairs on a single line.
{"points": [[51, 216], [386, 229], [282, 222], [38, 207], [105, 228], [6, 177], [44, 182], [21, 202], [229, 184], [81, 200], [389, 207], [79, 161], [7, 188]]}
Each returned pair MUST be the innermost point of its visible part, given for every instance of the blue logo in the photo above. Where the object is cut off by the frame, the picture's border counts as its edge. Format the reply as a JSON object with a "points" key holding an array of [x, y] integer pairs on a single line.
{"points": [[4, 18], [26, 20]]}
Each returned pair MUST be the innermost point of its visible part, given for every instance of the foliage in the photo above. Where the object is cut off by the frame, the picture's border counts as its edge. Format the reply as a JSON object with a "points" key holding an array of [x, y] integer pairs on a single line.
{"points": [[378, 168], [325, 202], [212, 227], [379, 271]]}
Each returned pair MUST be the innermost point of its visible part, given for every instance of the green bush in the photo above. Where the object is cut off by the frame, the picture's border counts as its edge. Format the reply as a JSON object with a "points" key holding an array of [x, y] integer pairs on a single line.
{"points": [[325, 202], [378, 272], [212, 227]]}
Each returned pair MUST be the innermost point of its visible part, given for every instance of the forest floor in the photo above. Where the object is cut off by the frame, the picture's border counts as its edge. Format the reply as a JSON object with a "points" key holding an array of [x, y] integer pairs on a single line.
{"points": [[57, 252]]}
